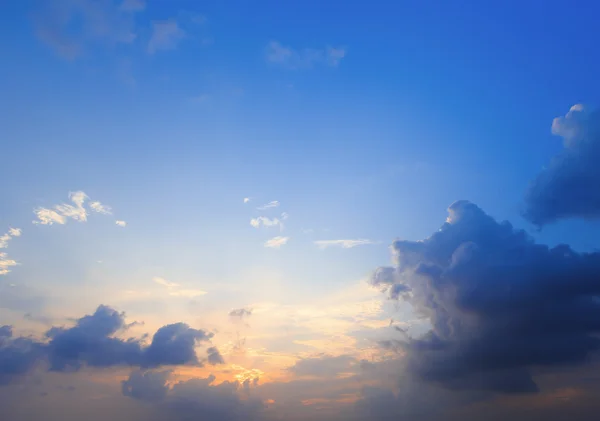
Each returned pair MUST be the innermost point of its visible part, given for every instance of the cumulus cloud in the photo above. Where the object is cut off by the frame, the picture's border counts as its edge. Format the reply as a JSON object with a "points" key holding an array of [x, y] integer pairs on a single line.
{"points": [[93, 341], [303, 58], [346, 244], [71, 27], [198, 398], [498, 303], [567, 188], [265, 222], [276, 242], [165, 36]]}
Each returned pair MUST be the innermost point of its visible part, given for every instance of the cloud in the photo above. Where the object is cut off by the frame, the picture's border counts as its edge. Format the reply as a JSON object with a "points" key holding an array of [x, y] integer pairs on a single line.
{"points": [[246, 199], [71, 27], [165, 36], [567, 187], [498, 303], [100, 208], [240, 313], [198, 398], [304, 58], [175, 291], [17, 355], [121, 223], [276, 242], [265, 222], [347, 244], [214, 356], [6, 263], [5, 238], [49, 217], [165, 283], [272, 204], [92, 341], [14, 232]]}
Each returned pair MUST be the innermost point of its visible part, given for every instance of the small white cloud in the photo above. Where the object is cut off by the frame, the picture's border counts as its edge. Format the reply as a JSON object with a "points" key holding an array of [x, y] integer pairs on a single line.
{"points": [[285, 216], [48, 217], [121, 223], [303, 58], [162, 281], [347, 244], [100, 208], [165, 36], [272, 204], [76, 212], [265, 222], [14, 232], [277, 242], [6, 263], [246, 199], [187, 293]]}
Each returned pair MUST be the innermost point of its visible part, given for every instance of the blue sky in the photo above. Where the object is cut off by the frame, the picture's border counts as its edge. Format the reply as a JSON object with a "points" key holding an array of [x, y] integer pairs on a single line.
{"points": [[364, 121]]}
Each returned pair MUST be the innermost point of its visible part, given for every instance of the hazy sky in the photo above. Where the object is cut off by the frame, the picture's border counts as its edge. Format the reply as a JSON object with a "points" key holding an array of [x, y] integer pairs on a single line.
{"points": [[293, 210]]}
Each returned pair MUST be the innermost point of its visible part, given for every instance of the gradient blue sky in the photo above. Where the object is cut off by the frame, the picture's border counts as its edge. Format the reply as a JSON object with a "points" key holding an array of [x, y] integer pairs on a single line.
{"points": [[364, 120]]}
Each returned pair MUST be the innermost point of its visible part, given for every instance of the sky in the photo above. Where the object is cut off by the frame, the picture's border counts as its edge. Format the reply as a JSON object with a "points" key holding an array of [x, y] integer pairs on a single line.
{"points": [[299, 210]]}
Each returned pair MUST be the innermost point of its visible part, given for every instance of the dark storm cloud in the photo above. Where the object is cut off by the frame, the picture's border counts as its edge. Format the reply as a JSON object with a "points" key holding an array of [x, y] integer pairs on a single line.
{"points": [[92, 342], [498, 303], [193, 399], [17, 355], [569, 186]]}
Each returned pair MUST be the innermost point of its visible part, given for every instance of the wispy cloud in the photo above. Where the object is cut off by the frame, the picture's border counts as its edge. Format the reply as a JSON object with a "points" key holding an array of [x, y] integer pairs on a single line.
{"points": [[6, 263], [277, 242], [303, 58], [175, 289], [100, 208], [265, 222], [5, 238], [346, 244], [272, 204], [165, 36], [121, 223]]}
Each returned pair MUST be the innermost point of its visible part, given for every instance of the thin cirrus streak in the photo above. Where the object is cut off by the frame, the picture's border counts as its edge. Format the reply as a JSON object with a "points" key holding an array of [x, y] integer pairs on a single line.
{"points": [[272, 204], [346, 244]]}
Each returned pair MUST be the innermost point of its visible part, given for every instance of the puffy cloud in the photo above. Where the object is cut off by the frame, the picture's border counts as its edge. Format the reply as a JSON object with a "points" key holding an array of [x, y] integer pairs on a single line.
{"points": [[17, 355], [60, 214], [272, 204], [347, 244], [324, 366], [497, 302], [121, 223], [265, 222], [276, 242], [165, 36], [194, 399], [93, 341], [303, 58], [567, 188]]}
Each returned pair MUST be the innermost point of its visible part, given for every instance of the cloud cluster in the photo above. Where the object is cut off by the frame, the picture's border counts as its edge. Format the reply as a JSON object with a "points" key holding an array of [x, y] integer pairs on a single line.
{"points": [[498, 303], [568, 187], [93, 341], [303, 58], [75, 210], [194, 399]]}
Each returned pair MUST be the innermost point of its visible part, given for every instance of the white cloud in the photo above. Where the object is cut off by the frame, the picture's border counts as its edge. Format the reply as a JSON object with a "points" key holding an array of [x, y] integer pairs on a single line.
{"points": [[76, 212], [347, 244], [100, 208], [121, 223], [277, 242], [285, 216], [14, 232], [187, 293], [272, 204], [5, 264], [265, 222], [303, 58], [164, 282], [246, 199], [48, 217], [165, 36]]}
